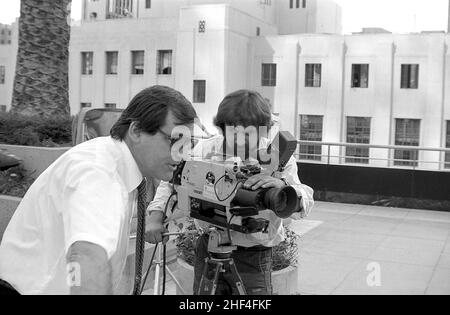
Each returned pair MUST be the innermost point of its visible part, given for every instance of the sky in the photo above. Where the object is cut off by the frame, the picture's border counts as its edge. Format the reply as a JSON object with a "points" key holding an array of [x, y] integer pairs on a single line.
{"points": [[398, 16]]}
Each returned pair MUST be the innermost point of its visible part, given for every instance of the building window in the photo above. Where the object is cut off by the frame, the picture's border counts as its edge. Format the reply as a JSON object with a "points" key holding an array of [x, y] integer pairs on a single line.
{"points": [[202, 26], [87, 63], [304, 4], [269, 74], [360, 76], [407, 133], [3, 108], [110, 106], [410, 77], [86, 105], [199, 91], [165, 62], [297, 4], [447, 145], [313, 75], [148, 4], [112, 61], [311, 129], [291, 4], [258, 31], [358, 131], [137, 62], [119, 9], [2, 74]]}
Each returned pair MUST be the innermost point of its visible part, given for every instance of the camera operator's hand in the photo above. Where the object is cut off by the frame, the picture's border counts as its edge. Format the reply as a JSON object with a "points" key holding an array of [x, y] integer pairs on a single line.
{"points": [[263, 181], [155, 229]]}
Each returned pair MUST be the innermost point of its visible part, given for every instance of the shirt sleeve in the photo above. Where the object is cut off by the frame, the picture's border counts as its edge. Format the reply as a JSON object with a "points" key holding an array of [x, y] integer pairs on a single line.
{"points": [[290, 173], [94, 209], [162, 195]]}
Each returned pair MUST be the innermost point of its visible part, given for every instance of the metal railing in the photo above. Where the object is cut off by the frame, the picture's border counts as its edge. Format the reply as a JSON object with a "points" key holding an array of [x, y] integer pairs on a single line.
{"points": [[333, 153]]}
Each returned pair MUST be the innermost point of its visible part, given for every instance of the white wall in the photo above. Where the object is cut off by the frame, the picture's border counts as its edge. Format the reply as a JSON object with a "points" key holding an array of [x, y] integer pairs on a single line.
{"points": [[202, 56], [8, 58], [123, 36], [383, 101]]}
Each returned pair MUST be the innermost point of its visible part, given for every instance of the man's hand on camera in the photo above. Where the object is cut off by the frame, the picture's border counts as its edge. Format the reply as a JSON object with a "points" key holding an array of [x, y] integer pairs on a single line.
{"points": [[155, 229], [263, 181]]}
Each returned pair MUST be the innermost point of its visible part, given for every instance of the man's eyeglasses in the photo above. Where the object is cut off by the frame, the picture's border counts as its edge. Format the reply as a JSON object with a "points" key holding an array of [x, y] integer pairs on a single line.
{"points": [[172, 140]]}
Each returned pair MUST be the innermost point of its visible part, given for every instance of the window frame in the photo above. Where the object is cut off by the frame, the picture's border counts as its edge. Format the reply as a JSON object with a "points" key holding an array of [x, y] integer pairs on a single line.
{"points": [[87, 64], [408, 136], [271, 80], [406, 79], [135, 70], [358, 132], [199, 92], [358, 70], [311, 129], [160, 62], [109, 64], [310, 69], [2, 74]]}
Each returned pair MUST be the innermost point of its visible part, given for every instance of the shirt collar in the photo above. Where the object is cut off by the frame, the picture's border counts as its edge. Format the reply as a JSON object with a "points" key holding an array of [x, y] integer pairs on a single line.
{"points": [[130, 173]]}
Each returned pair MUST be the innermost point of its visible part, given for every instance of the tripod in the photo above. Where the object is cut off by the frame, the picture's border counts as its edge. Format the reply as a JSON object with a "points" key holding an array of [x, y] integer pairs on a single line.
{"points": [[221, 261], [161, 266]]}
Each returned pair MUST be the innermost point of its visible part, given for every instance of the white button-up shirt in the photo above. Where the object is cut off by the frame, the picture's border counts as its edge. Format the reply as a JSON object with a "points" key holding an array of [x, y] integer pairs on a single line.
{"points": [[89, 194], [276, 231]]}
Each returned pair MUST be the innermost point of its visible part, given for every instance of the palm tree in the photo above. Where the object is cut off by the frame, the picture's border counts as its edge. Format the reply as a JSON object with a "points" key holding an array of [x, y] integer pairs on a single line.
{"points": [[41, 81]]}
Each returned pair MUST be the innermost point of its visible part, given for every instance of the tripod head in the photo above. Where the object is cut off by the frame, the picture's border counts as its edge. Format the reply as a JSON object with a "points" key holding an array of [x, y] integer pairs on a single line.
{"points": [[219, 246]]}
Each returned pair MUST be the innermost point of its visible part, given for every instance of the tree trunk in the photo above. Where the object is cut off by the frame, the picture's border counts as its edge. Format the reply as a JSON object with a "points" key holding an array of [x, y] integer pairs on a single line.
{"points": [[41, 82]]}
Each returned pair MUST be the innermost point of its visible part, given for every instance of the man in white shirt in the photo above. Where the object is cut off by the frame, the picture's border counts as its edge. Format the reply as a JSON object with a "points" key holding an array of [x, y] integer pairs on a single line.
{"points": [[70, 233], [254, 255]]}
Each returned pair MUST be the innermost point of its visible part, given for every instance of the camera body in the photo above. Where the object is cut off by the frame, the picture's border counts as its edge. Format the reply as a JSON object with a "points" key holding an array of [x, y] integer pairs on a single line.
{"points": [[212, 190]]}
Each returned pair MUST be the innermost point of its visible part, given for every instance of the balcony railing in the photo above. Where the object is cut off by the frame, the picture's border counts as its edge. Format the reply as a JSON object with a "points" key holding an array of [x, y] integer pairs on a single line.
{"points": [[421, 158]]}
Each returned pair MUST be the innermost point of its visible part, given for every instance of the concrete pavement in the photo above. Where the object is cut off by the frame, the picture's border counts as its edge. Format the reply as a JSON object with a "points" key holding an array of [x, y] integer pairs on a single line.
{"points": [[355, 249], [374, 250]]}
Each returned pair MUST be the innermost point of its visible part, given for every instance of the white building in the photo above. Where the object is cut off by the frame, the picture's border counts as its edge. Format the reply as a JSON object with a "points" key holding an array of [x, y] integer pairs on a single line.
{"points": [[375, 87], [204, 46], [8, 54], [5, 34]]}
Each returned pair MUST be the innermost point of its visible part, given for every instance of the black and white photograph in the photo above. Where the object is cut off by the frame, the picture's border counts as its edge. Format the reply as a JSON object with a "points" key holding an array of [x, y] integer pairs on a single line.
{"points": [[210, 150]]}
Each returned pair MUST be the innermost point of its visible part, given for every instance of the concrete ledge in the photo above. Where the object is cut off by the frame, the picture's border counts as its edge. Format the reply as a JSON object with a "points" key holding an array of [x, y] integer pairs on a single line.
{"points": [[8, 206], [284, 282], [35, 159]]}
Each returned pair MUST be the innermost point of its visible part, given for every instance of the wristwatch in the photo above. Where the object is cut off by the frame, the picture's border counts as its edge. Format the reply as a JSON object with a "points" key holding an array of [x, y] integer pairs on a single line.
{"points": [[285, 181]]}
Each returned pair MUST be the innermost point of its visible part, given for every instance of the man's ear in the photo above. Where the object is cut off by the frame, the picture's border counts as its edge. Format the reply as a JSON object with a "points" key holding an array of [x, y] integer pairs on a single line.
{"points": [[134, 132]]}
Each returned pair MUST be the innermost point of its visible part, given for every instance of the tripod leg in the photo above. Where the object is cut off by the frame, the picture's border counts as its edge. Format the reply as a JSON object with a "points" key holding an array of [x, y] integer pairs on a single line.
{"points": [[209, 286], [237, 278], [177, 283]]}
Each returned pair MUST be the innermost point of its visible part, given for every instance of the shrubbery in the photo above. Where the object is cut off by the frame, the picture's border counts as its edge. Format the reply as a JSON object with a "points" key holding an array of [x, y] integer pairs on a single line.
{"points": [[284, 255], [35, 131], [15, 182]]}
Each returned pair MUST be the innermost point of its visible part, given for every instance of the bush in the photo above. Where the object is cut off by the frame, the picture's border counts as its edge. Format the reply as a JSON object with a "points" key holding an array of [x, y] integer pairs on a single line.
{"points": [[284, 255], [17, 129], [15, 182]]}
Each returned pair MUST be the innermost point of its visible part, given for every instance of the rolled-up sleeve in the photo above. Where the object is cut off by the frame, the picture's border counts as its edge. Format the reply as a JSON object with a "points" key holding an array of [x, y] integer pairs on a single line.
{"points": [[93, 209], [160, 200], [290, 173]]}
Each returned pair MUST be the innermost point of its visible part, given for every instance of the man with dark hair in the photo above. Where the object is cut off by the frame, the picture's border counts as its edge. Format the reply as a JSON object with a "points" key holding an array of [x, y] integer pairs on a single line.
{"points": [[241, 116], [70, 234]]}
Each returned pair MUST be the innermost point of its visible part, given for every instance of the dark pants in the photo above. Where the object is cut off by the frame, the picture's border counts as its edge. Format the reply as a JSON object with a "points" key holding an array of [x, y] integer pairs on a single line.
{"points": [[253, 264], [6, 289]]}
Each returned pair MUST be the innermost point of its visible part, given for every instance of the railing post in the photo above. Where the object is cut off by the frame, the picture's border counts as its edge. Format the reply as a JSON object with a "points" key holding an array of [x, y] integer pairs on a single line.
{"points": [[329, 154]]}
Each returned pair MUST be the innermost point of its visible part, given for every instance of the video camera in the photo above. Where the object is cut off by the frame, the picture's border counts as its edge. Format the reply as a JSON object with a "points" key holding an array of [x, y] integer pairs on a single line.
{"points": [[212, 191]]}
